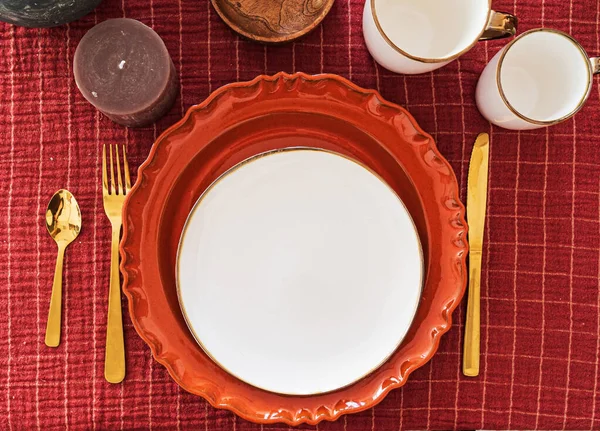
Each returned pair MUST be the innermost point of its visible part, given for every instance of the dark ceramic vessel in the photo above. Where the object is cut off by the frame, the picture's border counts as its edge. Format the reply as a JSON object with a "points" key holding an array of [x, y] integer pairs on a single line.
{"points": [[44, 13]]}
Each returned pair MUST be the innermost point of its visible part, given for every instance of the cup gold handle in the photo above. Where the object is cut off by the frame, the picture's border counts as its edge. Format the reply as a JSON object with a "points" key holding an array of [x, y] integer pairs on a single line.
{"points": [[500, 25], [595, 65]]}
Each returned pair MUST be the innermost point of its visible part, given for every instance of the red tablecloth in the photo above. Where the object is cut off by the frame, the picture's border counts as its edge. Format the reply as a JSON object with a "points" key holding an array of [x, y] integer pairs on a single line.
{"points": [[540, 291]]}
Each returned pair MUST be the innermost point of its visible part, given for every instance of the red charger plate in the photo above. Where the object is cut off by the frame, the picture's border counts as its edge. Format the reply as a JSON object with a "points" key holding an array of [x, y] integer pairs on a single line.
{"points": [[239, 121]]}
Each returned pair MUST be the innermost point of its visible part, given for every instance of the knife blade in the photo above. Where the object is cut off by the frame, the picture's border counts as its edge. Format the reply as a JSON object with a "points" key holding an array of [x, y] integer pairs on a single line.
{"points": [[477, 191], [477, 185]]}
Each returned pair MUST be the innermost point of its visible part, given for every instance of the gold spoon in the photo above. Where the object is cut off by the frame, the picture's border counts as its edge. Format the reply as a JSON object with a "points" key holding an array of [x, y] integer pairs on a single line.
{"points": [[63, 220]]}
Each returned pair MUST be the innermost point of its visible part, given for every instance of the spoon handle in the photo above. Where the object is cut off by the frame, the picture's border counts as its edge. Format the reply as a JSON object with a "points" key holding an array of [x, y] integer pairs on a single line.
{"points": [[54, 314], [114, 359]]}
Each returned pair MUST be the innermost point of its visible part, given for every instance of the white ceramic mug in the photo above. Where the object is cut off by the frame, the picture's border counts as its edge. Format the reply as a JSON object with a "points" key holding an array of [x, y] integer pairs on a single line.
{"points": [[417, 36], [540, 78]]}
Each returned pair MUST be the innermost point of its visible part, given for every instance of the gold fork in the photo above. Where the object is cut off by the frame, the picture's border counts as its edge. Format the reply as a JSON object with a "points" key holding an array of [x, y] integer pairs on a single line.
{"points": [[114, 196]]}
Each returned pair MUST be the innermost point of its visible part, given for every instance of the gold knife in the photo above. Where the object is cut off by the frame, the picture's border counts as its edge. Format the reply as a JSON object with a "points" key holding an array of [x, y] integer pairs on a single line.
{"points": [[476, 205]]}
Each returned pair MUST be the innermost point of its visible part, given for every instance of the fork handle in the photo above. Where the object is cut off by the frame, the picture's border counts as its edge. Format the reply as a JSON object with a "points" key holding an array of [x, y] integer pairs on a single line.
{"points": [[114, 359]]}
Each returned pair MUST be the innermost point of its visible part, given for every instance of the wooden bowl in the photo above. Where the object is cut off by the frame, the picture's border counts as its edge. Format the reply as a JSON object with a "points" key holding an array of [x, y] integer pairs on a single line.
{"points": [[272, 21]]}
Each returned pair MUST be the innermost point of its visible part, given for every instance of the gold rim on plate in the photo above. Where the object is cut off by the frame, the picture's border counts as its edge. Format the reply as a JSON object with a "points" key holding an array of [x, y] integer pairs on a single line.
{"points": [[232, 170]]}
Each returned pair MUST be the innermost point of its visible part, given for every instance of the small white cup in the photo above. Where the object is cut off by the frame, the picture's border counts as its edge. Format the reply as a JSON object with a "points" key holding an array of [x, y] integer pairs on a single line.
{"points": [[540, 78], [418, 36]]}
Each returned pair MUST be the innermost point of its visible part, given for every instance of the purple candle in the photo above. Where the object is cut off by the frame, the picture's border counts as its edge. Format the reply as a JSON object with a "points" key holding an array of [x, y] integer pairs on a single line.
{"points": [[123, 68]]}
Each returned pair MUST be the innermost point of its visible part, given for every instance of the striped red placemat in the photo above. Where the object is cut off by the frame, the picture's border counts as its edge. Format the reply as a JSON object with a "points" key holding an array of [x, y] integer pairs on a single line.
{"points": [[540, 292]]}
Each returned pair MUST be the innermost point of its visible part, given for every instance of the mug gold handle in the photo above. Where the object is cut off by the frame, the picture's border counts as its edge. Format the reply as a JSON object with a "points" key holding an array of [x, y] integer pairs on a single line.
{"points": [[595, 65], [500, 25]]}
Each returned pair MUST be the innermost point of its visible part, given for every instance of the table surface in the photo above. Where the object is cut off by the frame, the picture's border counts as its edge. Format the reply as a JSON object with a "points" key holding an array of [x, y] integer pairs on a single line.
{"points": [[540, 284]]}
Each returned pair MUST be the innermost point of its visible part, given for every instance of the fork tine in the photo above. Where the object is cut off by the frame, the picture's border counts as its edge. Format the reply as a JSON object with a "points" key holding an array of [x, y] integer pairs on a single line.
{"points": [[119, 179], [126, 168], [112, 173], [104, 173]]}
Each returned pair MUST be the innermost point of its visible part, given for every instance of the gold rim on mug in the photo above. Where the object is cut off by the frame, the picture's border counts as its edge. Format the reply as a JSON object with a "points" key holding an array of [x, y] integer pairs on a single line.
{"points": [[232, 170], [508, 20], [593, 69]]}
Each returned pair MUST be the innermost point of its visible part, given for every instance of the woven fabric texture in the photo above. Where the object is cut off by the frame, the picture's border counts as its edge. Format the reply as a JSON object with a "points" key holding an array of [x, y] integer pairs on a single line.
{"points": [[541, 268]]}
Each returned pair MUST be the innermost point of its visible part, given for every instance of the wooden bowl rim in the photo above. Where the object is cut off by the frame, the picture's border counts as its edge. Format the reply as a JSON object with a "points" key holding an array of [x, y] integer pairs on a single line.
{"points": [[273, 40]]}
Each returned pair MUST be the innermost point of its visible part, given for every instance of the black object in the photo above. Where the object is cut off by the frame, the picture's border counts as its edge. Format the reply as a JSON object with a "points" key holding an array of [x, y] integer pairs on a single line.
{"points": [[44, 13]]}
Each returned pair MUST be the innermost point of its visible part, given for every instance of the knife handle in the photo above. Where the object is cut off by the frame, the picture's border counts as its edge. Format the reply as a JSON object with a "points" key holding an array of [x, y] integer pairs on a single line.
{"points": [[472, 326]]}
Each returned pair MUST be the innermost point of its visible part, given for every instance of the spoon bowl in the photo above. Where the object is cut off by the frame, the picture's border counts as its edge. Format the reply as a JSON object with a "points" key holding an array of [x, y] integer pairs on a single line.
{"points": [[63, 217]]}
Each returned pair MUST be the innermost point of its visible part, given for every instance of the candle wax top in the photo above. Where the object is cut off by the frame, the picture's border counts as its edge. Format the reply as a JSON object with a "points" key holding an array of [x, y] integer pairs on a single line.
{"points": [[122, 66]]}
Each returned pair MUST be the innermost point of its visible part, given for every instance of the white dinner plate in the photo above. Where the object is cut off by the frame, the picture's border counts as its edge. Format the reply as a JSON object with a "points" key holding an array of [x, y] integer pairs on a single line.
{"points": [[299, 271]]}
